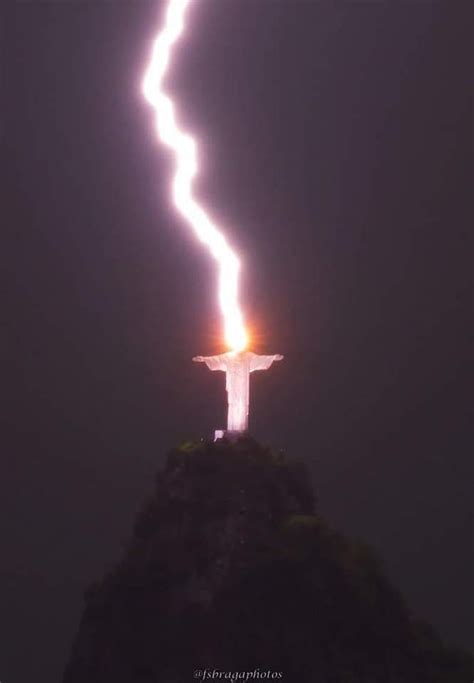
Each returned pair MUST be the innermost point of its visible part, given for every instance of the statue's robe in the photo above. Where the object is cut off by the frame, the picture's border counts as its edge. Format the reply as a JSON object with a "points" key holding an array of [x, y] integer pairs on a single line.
{"points": [[238, 367]]}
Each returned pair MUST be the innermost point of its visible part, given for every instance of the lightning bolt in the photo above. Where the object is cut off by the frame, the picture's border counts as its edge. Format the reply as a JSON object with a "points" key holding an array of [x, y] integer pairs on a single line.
{"points": [[184, 148]]}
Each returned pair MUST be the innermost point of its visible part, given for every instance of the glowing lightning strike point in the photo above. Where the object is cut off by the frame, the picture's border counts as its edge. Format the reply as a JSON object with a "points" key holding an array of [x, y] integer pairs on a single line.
{"points": [[184, 148]]}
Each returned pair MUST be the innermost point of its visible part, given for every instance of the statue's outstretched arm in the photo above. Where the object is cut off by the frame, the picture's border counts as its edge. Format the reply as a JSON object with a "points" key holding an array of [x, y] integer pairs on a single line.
{"points": [[212, 362], [263, 362]]}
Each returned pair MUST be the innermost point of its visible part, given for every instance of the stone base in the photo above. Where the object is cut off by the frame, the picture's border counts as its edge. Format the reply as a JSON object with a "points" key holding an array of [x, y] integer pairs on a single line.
{"points": [[230, 434]]}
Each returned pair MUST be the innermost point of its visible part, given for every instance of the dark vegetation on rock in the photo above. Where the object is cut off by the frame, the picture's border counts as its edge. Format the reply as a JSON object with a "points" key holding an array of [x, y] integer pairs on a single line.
{"points": [[231, 568]]}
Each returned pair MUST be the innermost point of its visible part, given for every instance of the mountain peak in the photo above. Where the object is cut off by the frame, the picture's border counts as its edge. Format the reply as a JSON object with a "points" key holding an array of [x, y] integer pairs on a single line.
{"points": [[231, 569]]}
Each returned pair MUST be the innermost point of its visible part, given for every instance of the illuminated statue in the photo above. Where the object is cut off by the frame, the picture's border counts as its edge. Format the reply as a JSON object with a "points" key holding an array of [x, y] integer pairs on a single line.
{"points": [[237, 367]]}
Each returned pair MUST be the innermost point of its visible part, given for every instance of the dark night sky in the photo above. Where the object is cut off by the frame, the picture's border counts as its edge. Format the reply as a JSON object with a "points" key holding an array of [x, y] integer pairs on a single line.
{"points": [[335, 147]]}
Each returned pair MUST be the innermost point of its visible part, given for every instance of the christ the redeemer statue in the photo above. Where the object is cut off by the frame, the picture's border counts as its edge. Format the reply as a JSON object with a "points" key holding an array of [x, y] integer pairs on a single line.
{"points": [[237, 367]]}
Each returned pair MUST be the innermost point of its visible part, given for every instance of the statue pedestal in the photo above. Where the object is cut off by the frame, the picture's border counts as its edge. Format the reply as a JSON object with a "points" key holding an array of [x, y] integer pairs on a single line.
{"points": [[230, 434]]}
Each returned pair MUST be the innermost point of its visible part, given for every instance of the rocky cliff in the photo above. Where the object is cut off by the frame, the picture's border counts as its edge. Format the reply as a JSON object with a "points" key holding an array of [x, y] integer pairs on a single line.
{"points": [[232, 572]]}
